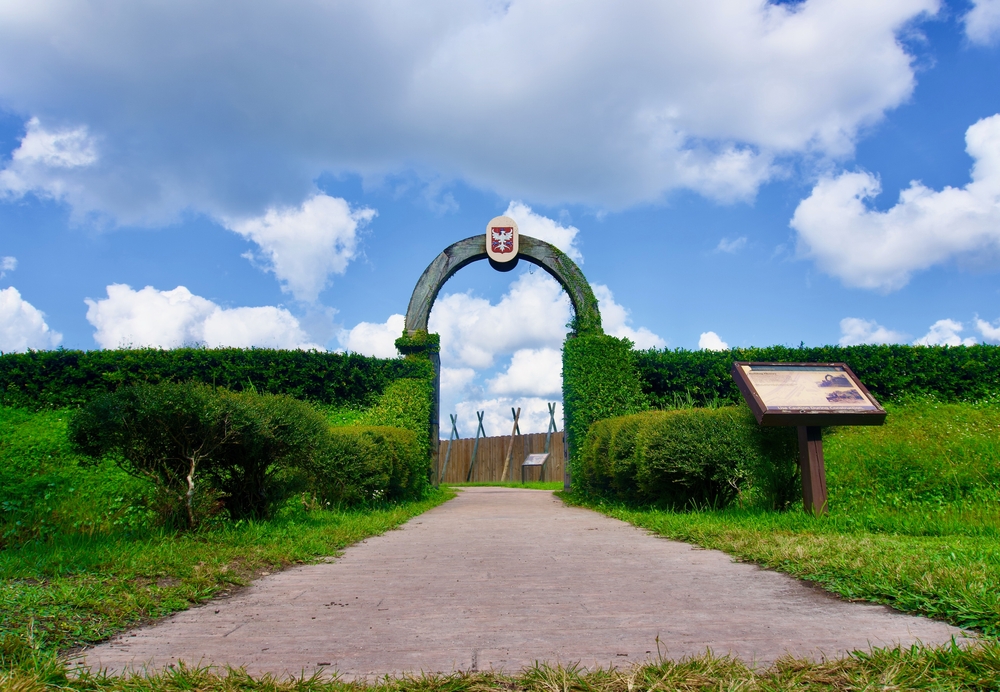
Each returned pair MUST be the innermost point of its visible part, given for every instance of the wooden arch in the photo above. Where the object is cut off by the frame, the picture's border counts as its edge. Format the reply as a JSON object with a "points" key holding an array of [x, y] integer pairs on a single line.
{"points": [[538, 252], [587, 317]]}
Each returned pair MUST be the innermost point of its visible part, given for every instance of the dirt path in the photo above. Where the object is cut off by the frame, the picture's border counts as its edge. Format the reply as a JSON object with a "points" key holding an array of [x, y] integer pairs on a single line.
{"points": [[501, 578]]}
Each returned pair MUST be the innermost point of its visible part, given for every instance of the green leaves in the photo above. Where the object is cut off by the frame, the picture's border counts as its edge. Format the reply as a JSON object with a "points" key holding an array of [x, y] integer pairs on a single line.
{"points": [[56, 379], [694, 457], [890, 372], [371, 464], [199, 444], [599, 381]]}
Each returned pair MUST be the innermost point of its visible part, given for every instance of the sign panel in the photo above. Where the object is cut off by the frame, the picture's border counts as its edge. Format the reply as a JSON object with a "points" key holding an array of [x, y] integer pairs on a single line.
{"points": [[810, 394], [535, 459], [502, 239]]}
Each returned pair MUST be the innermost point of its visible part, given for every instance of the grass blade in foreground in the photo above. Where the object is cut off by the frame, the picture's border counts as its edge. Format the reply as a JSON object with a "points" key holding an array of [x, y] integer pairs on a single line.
{"points": [[944, 668]]}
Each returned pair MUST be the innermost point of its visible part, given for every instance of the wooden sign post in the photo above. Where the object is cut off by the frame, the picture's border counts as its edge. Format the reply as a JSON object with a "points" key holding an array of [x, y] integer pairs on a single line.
{"points": [[808, 396]]}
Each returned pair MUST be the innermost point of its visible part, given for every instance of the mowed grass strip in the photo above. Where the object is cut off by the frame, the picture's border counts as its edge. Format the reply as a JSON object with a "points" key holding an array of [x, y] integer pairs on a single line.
{"points": [[943, 668], [73, 590], [914, 517], [530, 485]]}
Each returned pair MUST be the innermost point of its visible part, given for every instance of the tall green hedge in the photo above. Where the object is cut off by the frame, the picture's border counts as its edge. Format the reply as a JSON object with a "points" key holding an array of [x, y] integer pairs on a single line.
{"points": [[56, 379], [599, 381], [953, 373]]}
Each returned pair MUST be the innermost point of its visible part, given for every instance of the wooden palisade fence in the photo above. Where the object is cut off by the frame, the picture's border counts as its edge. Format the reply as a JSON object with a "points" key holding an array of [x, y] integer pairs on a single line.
{"points": [[491, 454]]}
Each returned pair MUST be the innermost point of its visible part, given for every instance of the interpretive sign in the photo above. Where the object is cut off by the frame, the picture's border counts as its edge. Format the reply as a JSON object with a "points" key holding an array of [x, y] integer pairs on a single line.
{"points": [[502, 240], [532, 460], [808, 396]]}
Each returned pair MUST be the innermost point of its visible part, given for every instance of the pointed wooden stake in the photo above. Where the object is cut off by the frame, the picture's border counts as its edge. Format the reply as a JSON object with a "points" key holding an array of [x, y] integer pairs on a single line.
{"points": [[475, 446], [447, 454], [510, 447]]}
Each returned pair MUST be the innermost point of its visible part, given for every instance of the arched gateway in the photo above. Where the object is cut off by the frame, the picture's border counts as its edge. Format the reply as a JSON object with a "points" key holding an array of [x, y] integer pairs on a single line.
{"points": [[503, 247]]}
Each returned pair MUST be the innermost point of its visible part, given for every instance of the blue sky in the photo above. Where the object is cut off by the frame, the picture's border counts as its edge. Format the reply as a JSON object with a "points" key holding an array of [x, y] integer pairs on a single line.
{"points": [[174, 174]]}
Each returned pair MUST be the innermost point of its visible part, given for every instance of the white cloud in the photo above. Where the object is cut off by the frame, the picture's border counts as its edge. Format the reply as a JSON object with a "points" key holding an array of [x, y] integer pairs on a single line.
{"points": [[532, 314], [606, 104], [304, 245], [170, 319], [372, 339], [529, 325], [731, 246], [7, 264], [880, 250], [498, 420], [945, 333], [532, 372], [454, 380], [46, 163], [615, 320], [542, 227], [855, 330], [982, 22], [988, 330], [22, 325], [710, 341]]}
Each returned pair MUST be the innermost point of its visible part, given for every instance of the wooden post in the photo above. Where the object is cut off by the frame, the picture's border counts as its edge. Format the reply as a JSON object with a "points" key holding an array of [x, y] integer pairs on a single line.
{"points": [[447, 453], [813, 470], [475, 445], [548, 436], [510, 447]]}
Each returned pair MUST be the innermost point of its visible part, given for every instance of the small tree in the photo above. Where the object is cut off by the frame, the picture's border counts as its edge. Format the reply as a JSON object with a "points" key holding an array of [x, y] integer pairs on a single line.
{"points": [[164, 432], [254, 450]]}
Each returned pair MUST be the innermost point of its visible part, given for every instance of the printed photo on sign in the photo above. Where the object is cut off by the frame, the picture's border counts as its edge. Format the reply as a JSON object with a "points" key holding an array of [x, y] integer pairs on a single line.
{"points": [[800, 387]]}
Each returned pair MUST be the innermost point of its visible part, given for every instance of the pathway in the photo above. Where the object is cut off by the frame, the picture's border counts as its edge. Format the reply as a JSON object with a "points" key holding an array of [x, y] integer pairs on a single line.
{"points": [[501, 578]]}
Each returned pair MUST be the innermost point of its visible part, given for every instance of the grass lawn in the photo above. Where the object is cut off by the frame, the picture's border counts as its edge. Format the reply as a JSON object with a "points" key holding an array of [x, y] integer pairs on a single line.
{"points": [[914, 522]]}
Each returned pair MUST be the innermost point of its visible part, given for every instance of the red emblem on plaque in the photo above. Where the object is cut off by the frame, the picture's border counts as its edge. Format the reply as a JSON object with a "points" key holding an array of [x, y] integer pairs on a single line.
{"points": [[502, 243], [502, 239]]}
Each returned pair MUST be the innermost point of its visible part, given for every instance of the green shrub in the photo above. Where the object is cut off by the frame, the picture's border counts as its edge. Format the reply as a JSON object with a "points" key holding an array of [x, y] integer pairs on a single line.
{"points": [[164, 433], [599, 381], [363, 464], [405, 403], [689, 457], [57, 379], [204, 448], [890, 372], [277, 438]]}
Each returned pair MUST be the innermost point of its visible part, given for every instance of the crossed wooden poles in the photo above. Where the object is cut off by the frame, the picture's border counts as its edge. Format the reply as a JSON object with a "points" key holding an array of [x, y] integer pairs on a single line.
{"points": [[481, 432]]}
